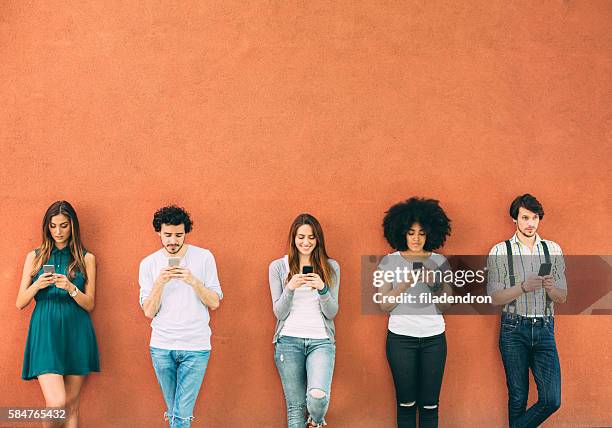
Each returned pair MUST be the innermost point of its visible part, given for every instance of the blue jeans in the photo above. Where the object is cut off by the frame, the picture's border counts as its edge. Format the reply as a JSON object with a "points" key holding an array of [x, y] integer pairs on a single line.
{"points": [[305, 365], [180, 375], [530, 343]]}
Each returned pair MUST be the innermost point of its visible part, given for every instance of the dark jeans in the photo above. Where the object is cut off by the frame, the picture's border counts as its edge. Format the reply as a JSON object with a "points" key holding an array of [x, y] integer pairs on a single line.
{"points": [[530, 343], [417, 366]]}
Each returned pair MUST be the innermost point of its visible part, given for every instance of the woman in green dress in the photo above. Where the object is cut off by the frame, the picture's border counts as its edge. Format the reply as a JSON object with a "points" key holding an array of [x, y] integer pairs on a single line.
{"points": [[61, 347]]}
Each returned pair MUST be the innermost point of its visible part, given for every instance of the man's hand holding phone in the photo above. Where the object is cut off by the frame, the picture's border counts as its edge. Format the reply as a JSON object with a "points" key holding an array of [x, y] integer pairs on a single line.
{"points": [[532, 283], [165, 275], [184, 274]]}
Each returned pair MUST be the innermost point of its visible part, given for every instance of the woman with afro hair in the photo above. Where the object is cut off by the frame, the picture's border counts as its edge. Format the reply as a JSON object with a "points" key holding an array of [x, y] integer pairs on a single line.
{"points": [[416, 342]]}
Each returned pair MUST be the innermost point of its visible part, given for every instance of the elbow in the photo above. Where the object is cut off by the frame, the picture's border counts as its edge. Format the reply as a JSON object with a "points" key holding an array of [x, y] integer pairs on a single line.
{"points": [[148, 312], [90, 307], [19, 305], [214, 305]]}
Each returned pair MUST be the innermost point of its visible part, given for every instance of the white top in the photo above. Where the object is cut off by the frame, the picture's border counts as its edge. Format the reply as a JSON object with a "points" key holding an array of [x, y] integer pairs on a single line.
{"points": [[305, 319], [182, 320], [423, 320]]}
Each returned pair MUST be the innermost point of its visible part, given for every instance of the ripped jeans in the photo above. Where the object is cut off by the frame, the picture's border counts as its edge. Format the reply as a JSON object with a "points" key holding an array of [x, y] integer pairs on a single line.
{"points": [[417, 365], [306, 367], [180, 375]]}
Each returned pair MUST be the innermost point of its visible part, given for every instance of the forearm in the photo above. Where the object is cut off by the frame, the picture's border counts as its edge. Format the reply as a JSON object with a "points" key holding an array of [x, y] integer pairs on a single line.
{"points": [[207, 296], [282, 306], [393, 292], [445, 290], [506, 295], [24, 298], [328, 304], [557, 295], [151, 304], [83, 300]]}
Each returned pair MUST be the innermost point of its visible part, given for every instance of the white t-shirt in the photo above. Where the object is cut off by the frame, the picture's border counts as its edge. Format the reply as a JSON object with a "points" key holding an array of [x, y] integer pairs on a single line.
{"points": [[182, 320], [424, 320]]}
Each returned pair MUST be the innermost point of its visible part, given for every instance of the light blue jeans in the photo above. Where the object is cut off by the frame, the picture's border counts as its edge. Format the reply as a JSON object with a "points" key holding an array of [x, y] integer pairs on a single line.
{"points": [[306, 367], [180, 375]]}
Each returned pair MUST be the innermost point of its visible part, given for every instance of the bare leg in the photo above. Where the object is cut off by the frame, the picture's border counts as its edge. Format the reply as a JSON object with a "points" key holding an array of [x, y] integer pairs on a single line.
{"points": [[73, 393], [52, 386]]}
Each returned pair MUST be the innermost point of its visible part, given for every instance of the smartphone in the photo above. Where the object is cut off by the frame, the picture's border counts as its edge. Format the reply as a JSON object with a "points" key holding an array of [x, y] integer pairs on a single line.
{"points": [[545, 269], [48, 268], [174, 261], [307, 269], [417, 265]]}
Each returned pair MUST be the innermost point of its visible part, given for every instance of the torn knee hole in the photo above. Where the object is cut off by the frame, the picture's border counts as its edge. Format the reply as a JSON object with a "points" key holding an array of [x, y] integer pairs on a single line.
{"points": [[317, 393], [410, 404], [433, 406]]}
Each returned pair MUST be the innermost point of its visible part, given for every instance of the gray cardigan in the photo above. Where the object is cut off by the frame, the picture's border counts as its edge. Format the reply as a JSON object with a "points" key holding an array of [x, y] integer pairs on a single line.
{"points": [[282, 297]]}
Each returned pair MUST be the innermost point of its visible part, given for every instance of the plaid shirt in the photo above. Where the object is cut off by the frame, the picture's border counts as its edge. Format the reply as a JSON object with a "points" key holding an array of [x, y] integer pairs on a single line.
{"points": [[525, 263]]}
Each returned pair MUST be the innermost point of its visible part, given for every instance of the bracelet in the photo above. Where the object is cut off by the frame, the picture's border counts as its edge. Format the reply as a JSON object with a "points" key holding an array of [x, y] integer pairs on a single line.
{"points": [[324, 290]]}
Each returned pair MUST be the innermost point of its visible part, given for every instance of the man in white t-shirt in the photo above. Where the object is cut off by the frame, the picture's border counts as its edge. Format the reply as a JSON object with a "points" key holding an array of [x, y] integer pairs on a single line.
{"points": [[178, 285]]}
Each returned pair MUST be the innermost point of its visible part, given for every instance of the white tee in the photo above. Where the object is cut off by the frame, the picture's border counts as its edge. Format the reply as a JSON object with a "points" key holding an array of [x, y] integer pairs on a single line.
{"points": [[182, 320]]}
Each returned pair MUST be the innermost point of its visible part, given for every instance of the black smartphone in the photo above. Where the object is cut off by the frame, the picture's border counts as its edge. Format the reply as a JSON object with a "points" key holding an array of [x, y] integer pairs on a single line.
{"points": [[545, 269], [417, 265], [307, 269]]}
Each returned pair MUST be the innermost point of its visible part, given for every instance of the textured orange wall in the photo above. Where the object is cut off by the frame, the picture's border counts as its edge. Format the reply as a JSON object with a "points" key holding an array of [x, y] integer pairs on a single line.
{"points": [[248, 114]]}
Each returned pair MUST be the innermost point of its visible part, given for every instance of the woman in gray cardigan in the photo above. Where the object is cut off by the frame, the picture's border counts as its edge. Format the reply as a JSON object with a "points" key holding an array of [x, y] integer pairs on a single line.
{"points": [[304, 286]]}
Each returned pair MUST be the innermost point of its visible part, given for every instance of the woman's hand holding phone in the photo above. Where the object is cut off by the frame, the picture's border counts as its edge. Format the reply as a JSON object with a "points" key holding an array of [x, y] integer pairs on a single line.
{"points": [[313, 280], [43, 281], [297, 281], [62, 281]]}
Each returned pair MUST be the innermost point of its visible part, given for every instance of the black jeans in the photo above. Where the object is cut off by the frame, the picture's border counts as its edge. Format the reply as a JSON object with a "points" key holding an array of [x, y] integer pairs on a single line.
{"points": [[417, 366], [529, 343]]}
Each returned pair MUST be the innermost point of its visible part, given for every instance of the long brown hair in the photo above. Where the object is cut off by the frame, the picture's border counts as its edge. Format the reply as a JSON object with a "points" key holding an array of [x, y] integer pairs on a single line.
{"points": [[75, 245], [318, 257]]}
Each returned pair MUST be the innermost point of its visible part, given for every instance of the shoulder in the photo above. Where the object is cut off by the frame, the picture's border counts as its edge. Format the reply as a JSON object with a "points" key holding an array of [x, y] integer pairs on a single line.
{"points": [[201, 252], [277, 264], [334, 264], [90, 258], [438, 258], [553, 247], [499, 248], [389, 259], [150, 259]]}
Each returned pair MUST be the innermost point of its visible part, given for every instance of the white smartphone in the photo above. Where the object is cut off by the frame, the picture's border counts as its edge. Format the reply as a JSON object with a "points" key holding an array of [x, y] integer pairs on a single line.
{"points": [[48, 268]]}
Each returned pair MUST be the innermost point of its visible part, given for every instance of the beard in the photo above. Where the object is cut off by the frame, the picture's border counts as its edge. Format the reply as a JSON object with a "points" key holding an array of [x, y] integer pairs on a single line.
{"points": [[174, 250]]}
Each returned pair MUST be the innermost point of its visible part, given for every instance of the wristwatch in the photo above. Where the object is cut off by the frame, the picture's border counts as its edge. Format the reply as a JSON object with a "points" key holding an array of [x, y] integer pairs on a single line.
{"points": [[75, 292]]}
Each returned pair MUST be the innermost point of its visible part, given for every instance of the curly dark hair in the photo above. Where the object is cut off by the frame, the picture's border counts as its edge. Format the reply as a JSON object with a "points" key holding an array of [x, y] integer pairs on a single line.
{"points": [[526, 201], [426, 212], [173, 215]]}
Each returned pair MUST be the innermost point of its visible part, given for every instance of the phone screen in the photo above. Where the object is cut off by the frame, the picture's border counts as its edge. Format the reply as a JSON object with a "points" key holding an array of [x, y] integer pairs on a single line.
{"points": [[545, 269], [307, 269], [417, 265], [49, 268]]}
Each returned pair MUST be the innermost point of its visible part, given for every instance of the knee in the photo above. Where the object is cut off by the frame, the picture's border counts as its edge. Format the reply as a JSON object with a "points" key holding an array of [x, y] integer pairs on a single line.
{"points": [[552, 405], [317, 393], [58, 401], [407, 404], [72, 406]]}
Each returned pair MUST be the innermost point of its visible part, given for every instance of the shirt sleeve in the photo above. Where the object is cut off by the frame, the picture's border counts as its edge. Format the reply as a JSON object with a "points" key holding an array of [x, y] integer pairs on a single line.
{"points": [[145, 280], [497, 270], [282, 297], [558, 267], [328, 302], [211, 280]]}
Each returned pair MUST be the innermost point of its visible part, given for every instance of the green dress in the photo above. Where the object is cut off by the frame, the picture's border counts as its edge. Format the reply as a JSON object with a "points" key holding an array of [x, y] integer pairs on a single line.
{"points": [[61, 337]]}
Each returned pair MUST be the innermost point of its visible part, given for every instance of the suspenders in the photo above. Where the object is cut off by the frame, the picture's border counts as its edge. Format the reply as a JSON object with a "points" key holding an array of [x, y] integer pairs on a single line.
{"points": [[511, 307]]}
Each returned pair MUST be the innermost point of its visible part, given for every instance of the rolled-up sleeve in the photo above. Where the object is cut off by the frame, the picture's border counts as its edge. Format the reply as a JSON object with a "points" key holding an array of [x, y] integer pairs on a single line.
{"points": [[497, 271], [211, 279], [145, 280]]}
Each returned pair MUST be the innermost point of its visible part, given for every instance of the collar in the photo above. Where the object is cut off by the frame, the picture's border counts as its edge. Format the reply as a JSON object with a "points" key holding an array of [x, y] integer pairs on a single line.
{"points": [[515, 241], [65, 250]]}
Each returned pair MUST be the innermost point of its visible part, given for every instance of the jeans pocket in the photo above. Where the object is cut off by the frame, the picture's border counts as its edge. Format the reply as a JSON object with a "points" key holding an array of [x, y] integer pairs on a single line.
{"points": [[509, 326]]}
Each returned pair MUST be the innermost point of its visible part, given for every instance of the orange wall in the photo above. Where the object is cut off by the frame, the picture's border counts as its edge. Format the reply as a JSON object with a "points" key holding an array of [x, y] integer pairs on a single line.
{"points": [[250, 114]]}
